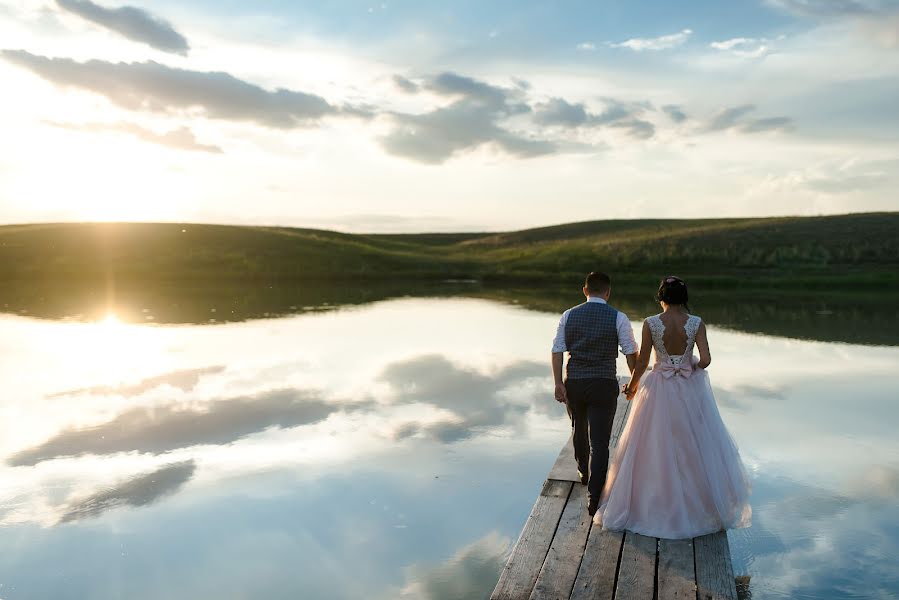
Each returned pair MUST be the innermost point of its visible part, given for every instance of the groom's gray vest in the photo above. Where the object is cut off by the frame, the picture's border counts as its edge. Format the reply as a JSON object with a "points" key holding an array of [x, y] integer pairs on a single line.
{"points": [[591, 337]]}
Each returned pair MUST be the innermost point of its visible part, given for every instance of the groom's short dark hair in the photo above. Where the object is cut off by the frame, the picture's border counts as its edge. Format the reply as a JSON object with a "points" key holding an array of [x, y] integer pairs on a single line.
{"points": [[598, 282]]}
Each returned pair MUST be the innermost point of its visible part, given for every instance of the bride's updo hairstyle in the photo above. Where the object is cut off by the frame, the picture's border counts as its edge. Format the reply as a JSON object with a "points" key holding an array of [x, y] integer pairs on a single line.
{"points": [[673, 290]]}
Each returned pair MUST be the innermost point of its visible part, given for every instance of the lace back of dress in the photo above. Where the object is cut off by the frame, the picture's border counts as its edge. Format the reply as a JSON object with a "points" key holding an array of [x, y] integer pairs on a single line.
{"points": [[657, 328]]}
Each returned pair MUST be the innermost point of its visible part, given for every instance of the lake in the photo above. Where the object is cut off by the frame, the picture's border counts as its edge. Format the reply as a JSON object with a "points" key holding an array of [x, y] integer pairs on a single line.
{"points": [[389, 441]]}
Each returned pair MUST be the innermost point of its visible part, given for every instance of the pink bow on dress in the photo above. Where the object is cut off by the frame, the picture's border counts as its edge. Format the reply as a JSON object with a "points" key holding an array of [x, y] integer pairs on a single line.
{"points": [[669, 369]]}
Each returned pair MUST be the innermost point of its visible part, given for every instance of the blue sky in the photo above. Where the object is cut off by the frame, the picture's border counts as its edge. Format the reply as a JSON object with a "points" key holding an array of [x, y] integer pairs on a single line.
{"points": [[409, 116]]}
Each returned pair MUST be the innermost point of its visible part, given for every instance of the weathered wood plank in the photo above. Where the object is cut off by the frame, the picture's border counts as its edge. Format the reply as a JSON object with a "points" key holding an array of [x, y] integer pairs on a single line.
{"points": [[521, 570], [564, 557], [596, 576], [714, 570], [676, 575], [565, 467], [637, 572]]}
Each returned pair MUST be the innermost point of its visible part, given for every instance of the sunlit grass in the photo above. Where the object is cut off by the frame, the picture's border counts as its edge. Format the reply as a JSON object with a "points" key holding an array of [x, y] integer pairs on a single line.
{"points": [[847, 250]]}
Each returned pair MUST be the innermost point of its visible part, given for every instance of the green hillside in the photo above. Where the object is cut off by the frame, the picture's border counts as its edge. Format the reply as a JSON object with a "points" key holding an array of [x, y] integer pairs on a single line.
{"points": [[845, 250]]}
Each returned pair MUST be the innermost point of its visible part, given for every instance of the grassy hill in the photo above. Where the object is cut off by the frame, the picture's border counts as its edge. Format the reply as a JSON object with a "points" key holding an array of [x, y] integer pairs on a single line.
{"points": [[844, 250]]}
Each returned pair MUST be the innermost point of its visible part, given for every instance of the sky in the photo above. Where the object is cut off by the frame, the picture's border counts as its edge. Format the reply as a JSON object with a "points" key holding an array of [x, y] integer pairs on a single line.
{"points": [[409, 116]]}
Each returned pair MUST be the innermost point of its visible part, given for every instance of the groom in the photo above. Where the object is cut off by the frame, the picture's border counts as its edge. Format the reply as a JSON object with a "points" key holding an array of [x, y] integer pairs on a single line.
{"points": [[591, 333]]}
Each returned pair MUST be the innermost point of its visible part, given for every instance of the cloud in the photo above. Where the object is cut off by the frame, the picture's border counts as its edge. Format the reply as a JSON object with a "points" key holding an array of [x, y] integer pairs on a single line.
{"points": [[185, 380], [474, 399], [826, 528], [743, 47], [876, 21], [841, 184], [178, 139], [133, 23], [470, 121], [876, 482], [137, 491], [728, 117], [841, 177], [586, 46], [407, 85], [637, 128], [159, 88], [883, 30], [470, 573], [675, 113], [167, 428], [559, 112], [768, 124], [732, 118], [664, 42], [453, 84], [828, 8]]}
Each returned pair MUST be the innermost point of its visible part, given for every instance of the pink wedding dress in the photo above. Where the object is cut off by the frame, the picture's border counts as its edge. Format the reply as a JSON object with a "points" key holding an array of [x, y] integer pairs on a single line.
{"points": [[676, 472]]}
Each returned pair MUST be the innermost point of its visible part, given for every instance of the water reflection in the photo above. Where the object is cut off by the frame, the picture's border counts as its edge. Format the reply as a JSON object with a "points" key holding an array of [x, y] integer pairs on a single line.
{"points": [[136, 491], [170, 427], [407, 438], [857, 317]]}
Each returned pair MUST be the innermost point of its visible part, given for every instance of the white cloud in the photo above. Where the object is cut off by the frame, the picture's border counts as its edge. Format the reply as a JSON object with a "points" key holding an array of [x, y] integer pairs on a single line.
{"points": [[586, 46], [744, 47], [659, 43]]}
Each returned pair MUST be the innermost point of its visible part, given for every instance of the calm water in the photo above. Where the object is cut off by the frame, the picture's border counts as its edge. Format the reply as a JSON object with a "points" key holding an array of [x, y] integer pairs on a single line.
{"points": [[368, 445]]}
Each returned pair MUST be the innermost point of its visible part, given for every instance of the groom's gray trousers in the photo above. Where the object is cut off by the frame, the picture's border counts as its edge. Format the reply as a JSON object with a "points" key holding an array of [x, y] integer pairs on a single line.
{"points": [[591, 406]]}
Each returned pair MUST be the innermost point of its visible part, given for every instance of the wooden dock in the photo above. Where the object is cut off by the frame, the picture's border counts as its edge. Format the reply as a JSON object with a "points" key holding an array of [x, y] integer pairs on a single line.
{"points": [[560, 555]]}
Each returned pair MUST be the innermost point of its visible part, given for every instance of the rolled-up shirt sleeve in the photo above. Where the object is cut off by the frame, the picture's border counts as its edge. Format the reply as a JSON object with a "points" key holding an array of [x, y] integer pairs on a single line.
{"points": [[559, 341], [626, 335]]}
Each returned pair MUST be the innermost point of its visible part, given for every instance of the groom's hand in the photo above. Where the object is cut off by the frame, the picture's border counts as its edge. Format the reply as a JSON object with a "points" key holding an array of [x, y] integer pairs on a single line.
{"points": [[561, 393]]}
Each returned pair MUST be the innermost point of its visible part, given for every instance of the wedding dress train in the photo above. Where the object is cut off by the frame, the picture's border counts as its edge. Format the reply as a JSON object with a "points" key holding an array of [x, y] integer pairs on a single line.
{"points": [[676, 472]]}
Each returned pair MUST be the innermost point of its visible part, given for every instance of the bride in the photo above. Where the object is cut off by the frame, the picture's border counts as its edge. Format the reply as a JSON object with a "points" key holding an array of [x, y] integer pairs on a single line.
{"points": [[676, 472]]}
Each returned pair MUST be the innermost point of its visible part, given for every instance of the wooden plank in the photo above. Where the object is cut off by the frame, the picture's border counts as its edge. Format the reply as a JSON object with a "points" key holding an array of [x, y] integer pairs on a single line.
{"points": [[596, 575], [565, 467], [521, 570], [676, 574], [564, 557], [637, 572], [714, 570]]}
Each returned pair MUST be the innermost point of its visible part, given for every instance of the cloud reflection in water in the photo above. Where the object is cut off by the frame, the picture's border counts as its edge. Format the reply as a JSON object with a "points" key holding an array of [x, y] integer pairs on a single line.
{"points": [[171, 427], [137, 491], [473, 398], [416, 445], [184, 380]]}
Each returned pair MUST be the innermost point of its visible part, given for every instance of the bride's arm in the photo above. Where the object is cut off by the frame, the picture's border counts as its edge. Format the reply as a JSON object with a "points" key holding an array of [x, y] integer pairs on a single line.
{"points": [[642, 362], [702, 343]]}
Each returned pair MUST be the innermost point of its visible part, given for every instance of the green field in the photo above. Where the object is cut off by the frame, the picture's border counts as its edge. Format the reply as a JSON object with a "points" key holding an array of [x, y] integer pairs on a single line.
{"points": [[848, 251]]}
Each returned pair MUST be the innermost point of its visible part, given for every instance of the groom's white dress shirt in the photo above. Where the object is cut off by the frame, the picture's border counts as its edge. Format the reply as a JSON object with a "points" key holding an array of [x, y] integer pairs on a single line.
{"points": [[625, 332]]}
